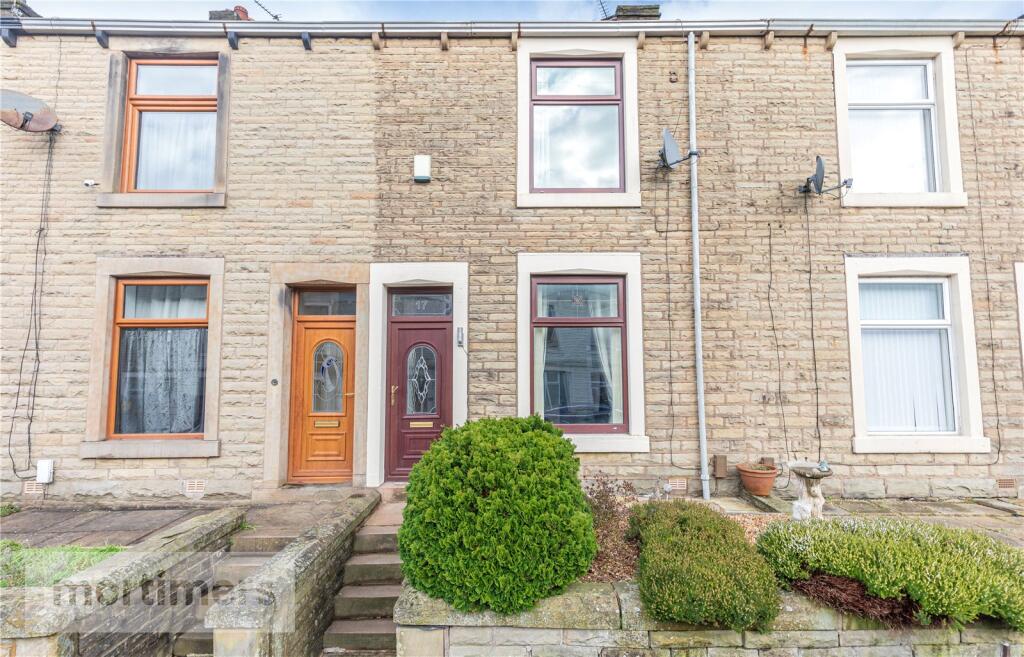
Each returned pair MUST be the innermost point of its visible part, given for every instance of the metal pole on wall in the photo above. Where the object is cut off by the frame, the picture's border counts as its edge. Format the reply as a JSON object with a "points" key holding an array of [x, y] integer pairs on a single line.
{"points": [[691, 94]]}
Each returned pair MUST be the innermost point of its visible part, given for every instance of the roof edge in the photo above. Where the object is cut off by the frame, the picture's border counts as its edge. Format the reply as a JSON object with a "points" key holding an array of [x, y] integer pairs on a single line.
{"points": [[781, 27]]}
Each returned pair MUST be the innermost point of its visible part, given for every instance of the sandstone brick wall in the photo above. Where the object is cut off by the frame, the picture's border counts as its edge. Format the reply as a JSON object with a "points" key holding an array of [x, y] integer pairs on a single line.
{"points": [[338, 189]]}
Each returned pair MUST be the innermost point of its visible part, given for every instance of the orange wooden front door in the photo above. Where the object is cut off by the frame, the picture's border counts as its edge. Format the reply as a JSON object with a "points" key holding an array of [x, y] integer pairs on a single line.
{"points": [[322, 401]]}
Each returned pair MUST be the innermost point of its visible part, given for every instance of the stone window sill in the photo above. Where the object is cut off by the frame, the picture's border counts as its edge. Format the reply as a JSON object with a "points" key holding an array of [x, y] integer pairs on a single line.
{"points": [[578, 200], [921, 444], [162, 200], [605, 443], [149, 449], [920, 200]]}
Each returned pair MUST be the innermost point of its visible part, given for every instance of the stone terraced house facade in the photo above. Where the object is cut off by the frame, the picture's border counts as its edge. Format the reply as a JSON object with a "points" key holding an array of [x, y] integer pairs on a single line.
{"points": [[251, 290]]}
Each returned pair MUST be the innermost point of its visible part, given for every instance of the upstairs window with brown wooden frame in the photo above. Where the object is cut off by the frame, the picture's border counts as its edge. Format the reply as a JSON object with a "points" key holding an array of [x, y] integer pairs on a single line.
{"points": [[579, 353], [158, 363], [170, 139]]}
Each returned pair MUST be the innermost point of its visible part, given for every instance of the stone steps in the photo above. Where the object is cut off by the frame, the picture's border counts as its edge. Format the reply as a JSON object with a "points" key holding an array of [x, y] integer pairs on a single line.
{"points": [[366, 634], [368, 601], [379, 568], [196, 641], [234, 567], [265, 541], [376, 538]]}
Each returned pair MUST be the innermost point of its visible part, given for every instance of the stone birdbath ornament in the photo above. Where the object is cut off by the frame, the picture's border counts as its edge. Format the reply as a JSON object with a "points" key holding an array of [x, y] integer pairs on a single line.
{"points": [[811, 501]]}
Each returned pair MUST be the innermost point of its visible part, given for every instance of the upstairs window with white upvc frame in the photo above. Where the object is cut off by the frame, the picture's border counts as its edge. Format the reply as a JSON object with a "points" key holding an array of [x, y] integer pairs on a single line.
{"points": [[896, 105]]}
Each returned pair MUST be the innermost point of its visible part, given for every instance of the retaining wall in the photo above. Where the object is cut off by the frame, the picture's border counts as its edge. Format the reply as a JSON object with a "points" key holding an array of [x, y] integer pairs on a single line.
{"points": [[606, 620], [283, 609], [132, 604]]}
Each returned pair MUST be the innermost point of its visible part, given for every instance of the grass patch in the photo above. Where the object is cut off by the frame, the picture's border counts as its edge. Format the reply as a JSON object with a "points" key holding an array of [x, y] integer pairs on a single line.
{"points": [[943, 574], [45, 566], [696, 567], [8, 509]]}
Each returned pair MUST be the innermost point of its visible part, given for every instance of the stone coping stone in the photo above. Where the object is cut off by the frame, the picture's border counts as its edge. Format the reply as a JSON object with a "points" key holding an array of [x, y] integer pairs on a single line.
{"points": [[801, 622], [261, 601], [583, 605], [44, 610]]}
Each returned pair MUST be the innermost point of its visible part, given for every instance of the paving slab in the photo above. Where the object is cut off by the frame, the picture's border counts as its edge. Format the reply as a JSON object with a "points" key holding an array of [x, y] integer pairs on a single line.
{"points": [[49, 527], [33, 520]]}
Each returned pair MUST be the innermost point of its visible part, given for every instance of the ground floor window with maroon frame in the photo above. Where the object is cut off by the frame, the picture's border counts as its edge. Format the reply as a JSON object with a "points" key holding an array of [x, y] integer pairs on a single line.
{"points": [[578, 352]]}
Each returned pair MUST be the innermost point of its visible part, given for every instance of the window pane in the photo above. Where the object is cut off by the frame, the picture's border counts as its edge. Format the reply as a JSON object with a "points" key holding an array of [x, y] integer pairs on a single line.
{"points": [[908, 380], [328, 378], [421, 373], [421, 305], [576, 147], [578, 375], [577, 300], [327, 302], [161, 380], [891, 150], [176, 80], [575, 80], [879, 83], [176, 150], [164, 302], [901, 301]]}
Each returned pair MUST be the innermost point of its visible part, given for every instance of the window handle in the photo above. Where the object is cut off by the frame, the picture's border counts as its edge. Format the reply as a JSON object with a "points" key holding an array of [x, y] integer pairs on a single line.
{"points": [[394, 389]]}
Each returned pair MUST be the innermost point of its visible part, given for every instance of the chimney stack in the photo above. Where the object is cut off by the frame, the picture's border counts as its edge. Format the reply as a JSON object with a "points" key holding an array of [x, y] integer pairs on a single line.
{"points": [[239, 13], [636, 13]]}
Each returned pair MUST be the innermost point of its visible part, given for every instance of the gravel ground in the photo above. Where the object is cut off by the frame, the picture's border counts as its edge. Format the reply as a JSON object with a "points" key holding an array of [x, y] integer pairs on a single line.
{"points": [[755, 523]]}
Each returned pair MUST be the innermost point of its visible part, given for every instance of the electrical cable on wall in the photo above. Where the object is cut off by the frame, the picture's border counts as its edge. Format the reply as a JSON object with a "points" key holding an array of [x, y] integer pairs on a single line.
{"points": [[778, 353], [35, 322], [814, 348], [32, 338], [984, 257]]}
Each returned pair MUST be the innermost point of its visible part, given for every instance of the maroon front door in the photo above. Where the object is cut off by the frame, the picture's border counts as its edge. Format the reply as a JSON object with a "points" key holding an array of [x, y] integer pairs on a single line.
{"points": [[419, 377]]}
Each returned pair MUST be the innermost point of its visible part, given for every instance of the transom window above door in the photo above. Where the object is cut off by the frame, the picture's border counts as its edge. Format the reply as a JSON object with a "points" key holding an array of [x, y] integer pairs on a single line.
{"points": [[576, 126], [170, 139], [578, 352], [327, 302]]}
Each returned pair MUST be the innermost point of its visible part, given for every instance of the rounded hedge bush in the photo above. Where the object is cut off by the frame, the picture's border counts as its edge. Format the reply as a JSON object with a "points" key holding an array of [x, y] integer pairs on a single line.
{"points": [[696, 567], [496, 517]]}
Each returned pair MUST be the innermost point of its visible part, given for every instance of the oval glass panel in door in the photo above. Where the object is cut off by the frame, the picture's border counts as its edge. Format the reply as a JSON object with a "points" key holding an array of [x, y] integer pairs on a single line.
{"points": [[328, 378], [421, 371]]}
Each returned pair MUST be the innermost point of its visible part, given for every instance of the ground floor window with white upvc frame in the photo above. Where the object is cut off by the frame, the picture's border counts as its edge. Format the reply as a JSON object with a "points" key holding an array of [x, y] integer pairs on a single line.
{"points": [[913, 358]]}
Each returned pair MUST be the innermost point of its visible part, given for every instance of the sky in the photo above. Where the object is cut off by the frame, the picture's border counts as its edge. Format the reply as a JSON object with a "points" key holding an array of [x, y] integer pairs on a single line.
{"points": [[482, 10]]}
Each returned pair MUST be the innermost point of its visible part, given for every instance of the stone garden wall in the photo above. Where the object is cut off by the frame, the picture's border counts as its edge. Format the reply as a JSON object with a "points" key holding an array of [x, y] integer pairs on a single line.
{"points": [[132, 604], [283, 609], [606, 620]]}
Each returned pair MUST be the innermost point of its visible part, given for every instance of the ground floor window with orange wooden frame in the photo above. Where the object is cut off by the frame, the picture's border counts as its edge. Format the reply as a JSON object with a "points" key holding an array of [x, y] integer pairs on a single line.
{"points": [[158, 362]]}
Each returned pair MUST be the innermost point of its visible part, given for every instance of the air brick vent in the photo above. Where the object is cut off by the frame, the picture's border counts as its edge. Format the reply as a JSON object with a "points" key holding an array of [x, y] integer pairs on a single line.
{"points": [[194, 487], [1006, 483], [32, 488]]}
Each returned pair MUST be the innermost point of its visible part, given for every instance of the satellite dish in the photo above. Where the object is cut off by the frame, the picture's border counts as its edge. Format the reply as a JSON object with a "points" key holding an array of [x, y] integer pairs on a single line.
{"points": [[818, 179], [26, 113], [670, 153], [816, 182]]}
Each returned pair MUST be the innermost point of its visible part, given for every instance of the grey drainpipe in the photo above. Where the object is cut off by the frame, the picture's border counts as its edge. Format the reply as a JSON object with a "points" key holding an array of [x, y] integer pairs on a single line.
{"points": [[691, 94]]}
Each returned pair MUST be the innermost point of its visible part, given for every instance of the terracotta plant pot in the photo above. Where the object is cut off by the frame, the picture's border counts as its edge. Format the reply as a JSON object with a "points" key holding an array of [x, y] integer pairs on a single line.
{"points": [[757, 480]]}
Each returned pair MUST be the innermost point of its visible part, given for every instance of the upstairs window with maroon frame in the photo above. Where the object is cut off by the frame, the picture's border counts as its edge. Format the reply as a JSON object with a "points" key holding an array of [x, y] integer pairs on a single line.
{"points": [[578, 352], [576, 126]]}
